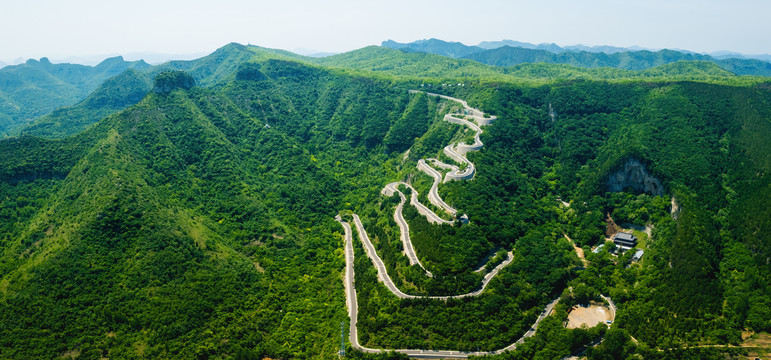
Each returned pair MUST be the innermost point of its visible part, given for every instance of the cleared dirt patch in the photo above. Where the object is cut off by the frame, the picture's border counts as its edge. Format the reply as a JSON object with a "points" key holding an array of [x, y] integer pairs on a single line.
{"points": [[759, 346], [589, 316]]}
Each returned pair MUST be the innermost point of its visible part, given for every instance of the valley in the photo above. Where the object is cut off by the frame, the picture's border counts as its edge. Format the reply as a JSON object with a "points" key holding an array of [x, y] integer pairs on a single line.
{"points": [[211, 209]]}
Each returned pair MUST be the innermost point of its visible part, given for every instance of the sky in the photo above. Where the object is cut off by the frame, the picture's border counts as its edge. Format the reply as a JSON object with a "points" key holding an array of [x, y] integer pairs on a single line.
{"points": [[71, 29]]}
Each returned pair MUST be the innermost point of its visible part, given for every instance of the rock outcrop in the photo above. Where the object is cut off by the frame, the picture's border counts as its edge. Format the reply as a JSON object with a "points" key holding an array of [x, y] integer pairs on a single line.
{"points": [[633, 174], [675, 211]]}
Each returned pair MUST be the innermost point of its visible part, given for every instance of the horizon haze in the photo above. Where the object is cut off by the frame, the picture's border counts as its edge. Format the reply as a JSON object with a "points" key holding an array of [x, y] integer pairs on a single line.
{"points": [[88, 29]]}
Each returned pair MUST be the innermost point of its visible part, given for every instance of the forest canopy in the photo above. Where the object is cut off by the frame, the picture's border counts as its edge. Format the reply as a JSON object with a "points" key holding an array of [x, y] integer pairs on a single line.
{"points": [[197, 221]]}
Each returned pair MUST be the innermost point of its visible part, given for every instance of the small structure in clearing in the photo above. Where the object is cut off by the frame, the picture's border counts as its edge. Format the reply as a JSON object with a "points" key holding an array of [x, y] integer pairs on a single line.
{"points": [[638, 255], [625, 241]]}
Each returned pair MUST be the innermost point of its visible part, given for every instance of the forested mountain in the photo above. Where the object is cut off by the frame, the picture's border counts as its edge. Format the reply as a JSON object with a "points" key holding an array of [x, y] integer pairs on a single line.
{"points": [[509, 53], [221, 64], [115, 94], [488, 45], [35, 88], [184, 205], [440, 69], [219, 67], [634, 60], [196, 220], [434, 46], [129, 87]]}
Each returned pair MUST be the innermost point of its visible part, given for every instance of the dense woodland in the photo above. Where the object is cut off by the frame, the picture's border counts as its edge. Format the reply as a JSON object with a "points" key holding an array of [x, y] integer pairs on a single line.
{"points": [[35, 88], [198, 221], [510, 53]]}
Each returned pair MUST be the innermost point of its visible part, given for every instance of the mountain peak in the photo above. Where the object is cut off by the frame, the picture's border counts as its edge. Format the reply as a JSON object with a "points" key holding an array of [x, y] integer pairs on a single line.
{"points": [[111, 61], [434, 46]]}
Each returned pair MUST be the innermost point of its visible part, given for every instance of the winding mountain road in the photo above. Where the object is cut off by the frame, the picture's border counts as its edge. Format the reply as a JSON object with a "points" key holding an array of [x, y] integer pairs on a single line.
{"points": [[432, 217], [353, 306], [383, 276], [454, 151], [433, 193], [457, 153]]}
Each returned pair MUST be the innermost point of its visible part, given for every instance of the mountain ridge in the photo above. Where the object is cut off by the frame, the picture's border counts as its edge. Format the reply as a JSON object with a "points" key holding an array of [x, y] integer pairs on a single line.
{"points": [[199, 222], [509, 53], [220, 66], [52, 120], [638, 60], [37, 87], [554, 48]]}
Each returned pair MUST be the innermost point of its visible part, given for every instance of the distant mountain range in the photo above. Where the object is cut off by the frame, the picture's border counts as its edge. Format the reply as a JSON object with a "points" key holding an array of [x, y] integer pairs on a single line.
{"points": [[435, 46], [509, 53], [628, 60], [551, 47], [85, 94], [37, 87], [728, 54]]}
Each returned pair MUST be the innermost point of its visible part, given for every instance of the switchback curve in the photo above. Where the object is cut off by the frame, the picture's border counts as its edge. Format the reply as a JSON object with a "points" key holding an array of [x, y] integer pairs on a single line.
{"points": [[353, 306]]}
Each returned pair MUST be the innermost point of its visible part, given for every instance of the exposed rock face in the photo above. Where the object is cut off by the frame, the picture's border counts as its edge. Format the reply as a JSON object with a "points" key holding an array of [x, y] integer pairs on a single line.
{"points": [[675, 212], [169, 80], [633, 174]]}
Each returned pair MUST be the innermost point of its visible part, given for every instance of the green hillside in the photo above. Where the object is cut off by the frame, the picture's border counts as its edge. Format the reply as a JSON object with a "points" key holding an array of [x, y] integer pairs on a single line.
{"points": [[511, 53], [437, 69], [126, 89], [198, 221], [627, 60], [115, 94], [408, 64], [220, 65], [35, 88]]}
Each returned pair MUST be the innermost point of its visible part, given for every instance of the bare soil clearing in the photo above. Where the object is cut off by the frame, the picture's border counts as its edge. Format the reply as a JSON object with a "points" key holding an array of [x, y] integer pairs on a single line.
{"points": [[589, 316]]}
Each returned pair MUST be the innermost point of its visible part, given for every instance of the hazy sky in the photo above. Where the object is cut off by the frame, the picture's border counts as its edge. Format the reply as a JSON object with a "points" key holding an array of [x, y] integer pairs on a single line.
{"points": [[74, 28]]}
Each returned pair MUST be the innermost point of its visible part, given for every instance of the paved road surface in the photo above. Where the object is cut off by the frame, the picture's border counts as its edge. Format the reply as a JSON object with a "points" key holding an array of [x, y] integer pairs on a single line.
{"points": [[457, 153], [353, 306], [404, 228], [388, 282], [433, 193], [432, 217]]}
